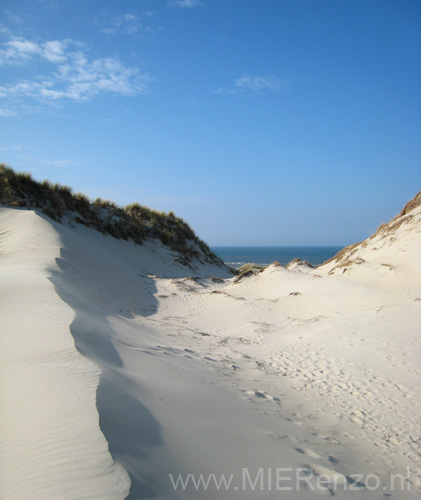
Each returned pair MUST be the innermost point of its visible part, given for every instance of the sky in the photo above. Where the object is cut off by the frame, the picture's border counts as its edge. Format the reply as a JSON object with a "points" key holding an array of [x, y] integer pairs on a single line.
{"points": [[259, 122]]}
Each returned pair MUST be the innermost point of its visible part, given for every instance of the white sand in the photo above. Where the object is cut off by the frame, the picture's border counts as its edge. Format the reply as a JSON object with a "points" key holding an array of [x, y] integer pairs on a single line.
{"points": [[51, 443], [317, 371]]}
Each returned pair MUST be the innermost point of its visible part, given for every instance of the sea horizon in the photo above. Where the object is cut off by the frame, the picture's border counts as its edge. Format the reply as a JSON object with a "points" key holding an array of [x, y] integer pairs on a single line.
{"points": [[237, 255]]}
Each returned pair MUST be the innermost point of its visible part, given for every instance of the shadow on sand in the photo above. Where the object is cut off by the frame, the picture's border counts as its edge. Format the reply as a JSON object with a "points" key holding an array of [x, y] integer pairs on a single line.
{"points": [[128, 426]]}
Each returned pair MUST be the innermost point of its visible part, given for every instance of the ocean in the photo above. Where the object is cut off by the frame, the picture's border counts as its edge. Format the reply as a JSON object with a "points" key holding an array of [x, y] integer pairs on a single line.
{"points": [[237, 256]]}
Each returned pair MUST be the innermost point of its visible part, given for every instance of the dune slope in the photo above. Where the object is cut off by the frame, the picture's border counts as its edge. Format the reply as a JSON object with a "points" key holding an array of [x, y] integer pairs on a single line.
{"points": [[48, 415]]}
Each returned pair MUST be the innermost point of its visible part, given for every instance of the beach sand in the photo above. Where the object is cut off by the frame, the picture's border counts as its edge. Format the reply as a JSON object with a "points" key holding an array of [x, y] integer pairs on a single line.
{"points": [[124, 371]]}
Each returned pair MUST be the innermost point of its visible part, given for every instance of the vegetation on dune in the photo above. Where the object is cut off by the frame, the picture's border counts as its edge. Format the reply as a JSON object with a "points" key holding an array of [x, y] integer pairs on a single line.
{"points": [[248, 269], [300, 262], [414, 203], [245, 268], [344, 256], [135, 222]]}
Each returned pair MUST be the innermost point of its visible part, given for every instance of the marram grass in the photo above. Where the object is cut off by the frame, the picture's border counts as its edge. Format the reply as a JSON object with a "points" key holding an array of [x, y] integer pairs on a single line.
{"points": [[134, 222]]}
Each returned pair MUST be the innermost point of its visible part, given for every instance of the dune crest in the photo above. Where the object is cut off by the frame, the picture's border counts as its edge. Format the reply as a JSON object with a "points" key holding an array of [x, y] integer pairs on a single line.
{"points": [[51, 443]]}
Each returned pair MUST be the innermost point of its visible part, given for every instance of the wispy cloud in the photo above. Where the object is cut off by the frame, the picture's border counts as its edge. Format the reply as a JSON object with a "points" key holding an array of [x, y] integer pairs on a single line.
{"points": [[73, 74], [19, 51], [55, 51], [257, 84], [7, 112], [186, 4], [260, 83], [21, 150], [15, 147], [60, 163], [127, 24]]}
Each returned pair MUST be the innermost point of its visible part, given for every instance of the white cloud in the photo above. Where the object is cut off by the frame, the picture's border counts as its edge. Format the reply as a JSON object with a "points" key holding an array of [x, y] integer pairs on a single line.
{"points": [[185, 3], [18, 51], [54, 51], [74, 76], [256, 84], [131, 24], [128, 24], [260, 83], [7, 112], [24, 88]]}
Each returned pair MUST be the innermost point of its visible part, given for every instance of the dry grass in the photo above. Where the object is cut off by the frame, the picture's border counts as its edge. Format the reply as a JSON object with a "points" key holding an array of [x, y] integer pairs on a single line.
{"points": [[250, 267], [414, 203], [345, 252], [244, 274], [345, 255], [300, 262]]}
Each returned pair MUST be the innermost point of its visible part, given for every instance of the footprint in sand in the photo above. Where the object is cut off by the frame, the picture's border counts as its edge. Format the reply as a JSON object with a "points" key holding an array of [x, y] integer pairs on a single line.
{"points": [[308, 452], [259, 394], [330, 475]]}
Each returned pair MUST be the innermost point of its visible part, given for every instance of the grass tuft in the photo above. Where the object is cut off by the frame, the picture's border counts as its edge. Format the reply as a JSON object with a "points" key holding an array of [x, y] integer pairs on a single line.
{"points": [[250, 267]]}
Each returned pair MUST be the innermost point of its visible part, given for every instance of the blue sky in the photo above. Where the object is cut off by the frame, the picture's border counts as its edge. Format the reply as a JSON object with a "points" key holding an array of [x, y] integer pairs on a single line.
{"points": [[260, 122]]}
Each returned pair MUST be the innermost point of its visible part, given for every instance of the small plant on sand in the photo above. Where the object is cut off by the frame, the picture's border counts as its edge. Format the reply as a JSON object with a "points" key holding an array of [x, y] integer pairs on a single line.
{"points": [[250, 267]]}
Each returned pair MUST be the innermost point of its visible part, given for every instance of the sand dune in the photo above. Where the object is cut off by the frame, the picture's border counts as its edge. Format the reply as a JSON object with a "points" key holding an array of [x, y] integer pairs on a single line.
{"points": [[122, 369], [51, 443]]}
